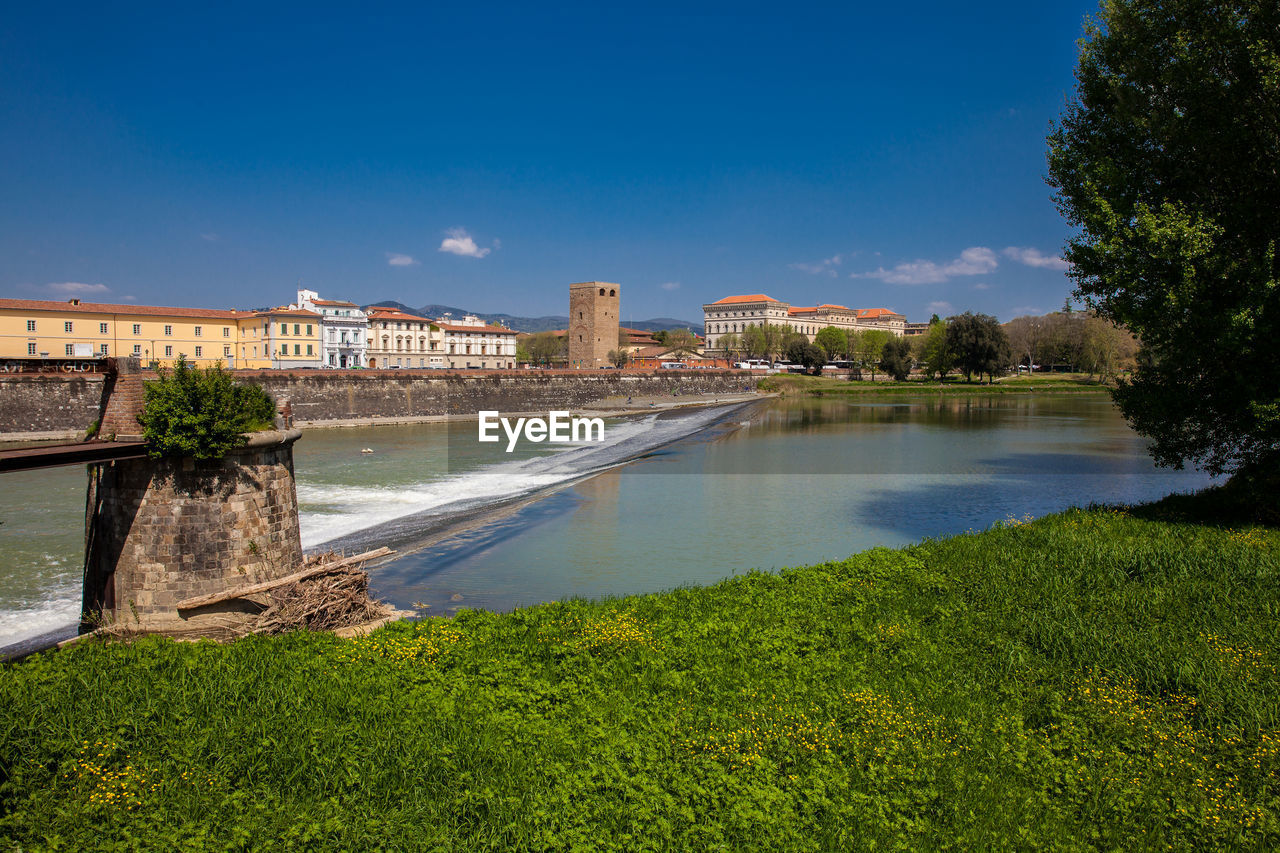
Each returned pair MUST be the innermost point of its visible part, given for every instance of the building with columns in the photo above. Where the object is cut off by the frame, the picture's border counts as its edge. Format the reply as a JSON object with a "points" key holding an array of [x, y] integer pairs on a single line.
{"points": [[733, 314]]}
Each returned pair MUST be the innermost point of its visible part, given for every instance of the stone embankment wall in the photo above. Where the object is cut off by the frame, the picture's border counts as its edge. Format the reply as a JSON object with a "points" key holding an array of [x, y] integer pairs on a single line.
{"points": [[58, 406], [160, 531], [49, 406]]}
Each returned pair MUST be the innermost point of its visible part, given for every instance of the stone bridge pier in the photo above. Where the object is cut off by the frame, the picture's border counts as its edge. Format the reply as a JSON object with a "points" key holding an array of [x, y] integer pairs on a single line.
{"points": [[158, 531]]}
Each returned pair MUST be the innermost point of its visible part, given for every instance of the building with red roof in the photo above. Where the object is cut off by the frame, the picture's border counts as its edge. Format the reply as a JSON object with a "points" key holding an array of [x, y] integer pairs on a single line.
{"points": [[733, 314]]}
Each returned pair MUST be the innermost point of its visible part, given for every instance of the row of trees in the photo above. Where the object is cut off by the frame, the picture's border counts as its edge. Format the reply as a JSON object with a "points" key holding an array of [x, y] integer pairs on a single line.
{"points": [[1073, 340]]}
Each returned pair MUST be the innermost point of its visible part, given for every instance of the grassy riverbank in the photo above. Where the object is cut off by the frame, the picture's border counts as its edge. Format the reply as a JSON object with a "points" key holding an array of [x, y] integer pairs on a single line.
{"points": [[1099, 678], [822, 386]]}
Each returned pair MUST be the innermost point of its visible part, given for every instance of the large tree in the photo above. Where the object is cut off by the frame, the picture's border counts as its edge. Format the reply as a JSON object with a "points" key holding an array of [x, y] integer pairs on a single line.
{"points": [[895, 358], [935, 358], [680, 342], [546, 347], [810, 356], [834, 342], [978, 344], [1166, 163]]}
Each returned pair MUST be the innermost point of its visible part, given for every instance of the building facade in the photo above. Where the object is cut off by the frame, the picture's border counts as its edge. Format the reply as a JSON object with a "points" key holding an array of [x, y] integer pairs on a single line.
{"points": [[472, 343], [733, 314], [43, 329], [289, 338], [344, 330], [400, 340], [593, 323]]}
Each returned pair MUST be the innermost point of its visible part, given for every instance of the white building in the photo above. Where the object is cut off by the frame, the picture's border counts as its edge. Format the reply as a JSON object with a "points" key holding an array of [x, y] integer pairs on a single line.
{"points": [[471, 342], [397, 339], [733, 314], [344, 329]]}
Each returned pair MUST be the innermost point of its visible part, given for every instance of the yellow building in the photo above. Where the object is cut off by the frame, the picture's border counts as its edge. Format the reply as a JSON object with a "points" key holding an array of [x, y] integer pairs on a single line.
{"points": [[47, 329], [280, 338], [38, 328]]}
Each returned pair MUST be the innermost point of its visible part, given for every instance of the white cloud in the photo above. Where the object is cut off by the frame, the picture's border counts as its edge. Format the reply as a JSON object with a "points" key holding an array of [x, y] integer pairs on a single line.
{"points": [[824, 267], [210, 237], [940, 308], [670, 285], [982, 285], [396, 259], [76, 288], [1033, 258], [976, 260], [459, 242], [1025, 311]]}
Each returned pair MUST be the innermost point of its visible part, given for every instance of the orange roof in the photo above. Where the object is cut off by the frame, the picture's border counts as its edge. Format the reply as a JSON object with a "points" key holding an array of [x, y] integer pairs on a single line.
{"points": [[338, 302], [838, 307], [800, 310], [753, 297], [456, 327], [287, 312], [874, 312], [110, 308], [395, 314]]}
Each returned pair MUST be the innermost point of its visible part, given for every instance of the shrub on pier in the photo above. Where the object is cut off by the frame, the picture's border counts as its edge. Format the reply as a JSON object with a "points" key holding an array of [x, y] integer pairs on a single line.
{"points": [[202, 413]]}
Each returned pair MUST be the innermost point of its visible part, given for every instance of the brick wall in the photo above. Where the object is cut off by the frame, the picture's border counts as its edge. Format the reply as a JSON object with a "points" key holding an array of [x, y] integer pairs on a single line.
{"points": [[49, 405]]}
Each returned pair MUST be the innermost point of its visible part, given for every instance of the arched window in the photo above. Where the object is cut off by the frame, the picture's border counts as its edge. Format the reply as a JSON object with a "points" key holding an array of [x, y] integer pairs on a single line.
{"points": [[602, 291], [613, 292]]}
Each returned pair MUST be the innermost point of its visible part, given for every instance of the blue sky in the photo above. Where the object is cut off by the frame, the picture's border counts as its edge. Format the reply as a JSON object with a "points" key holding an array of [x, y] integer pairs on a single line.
{"points": [[487, 155]]}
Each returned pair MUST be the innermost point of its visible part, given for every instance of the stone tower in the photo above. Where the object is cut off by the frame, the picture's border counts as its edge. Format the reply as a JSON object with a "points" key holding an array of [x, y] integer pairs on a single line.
{"points": [[593, 323]]}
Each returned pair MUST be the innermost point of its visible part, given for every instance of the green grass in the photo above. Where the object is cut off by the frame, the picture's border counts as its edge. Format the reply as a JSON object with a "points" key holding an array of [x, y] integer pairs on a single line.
{"points": [[1101, 678], [821, 386]]}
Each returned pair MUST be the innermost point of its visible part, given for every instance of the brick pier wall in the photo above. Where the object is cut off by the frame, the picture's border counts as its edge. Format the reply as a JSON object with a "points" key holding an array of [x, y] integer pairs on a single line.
{"points": [[159, 531], [58, 406]]}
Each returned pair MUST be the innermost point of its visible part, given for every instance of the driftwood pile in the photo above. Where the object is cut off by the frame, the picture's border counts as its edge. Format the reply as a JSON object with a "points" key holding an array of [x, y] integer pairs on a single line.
{"points": [[338, 598], [331, 592]]}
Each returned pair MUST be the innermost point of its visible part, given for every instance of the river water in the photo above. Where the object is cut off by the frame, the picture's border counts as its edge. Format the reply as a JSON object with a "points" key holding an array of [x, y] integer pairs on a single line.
{"points": [[667, 499]]}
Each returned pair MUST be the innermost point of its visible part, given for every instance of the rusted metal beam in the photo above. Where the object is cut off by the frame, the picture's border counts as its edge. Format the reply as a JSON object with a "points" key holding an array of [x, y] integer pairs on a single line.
{"points": [[54, 455]]}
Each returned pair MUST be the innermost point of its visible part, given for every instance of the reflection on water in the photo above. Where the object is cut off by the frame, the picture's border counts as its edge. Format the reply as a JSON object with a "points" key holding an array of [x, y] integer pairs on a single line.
{"points": [[803, 481]]}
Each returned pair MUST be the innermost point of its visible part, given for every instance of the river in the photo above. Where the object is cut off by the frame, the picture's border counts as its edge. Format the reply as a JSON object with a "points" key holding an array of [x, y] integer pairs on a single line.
{"points": [[684, 497]]}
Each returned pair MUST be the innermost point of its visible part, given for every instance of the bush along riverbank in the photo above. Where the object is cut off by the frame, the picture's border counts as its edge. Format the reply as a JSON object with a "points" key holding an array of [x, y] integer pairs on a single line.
{"points": [[823, 386], [1102, 678]]}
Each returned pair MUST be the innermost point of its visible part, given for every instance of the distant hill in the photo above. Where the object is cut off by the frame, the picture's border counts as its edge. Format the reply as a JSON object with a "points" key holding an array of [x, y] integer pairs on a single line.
{"points": [[530, 324]]}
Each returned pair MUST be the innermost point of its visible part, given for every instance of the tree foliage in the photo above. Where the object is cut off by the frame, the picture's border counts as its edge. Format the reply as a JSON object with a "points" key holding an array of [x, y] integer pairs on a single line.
{"points": [[1165, 161], [680, 341], [867, 348], [731, 343], [895, 358], [1072, 340], [810, 356], [834, 342], [202, 413], [619, 357], [546, 347], [935, 358], [978, 345]]}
